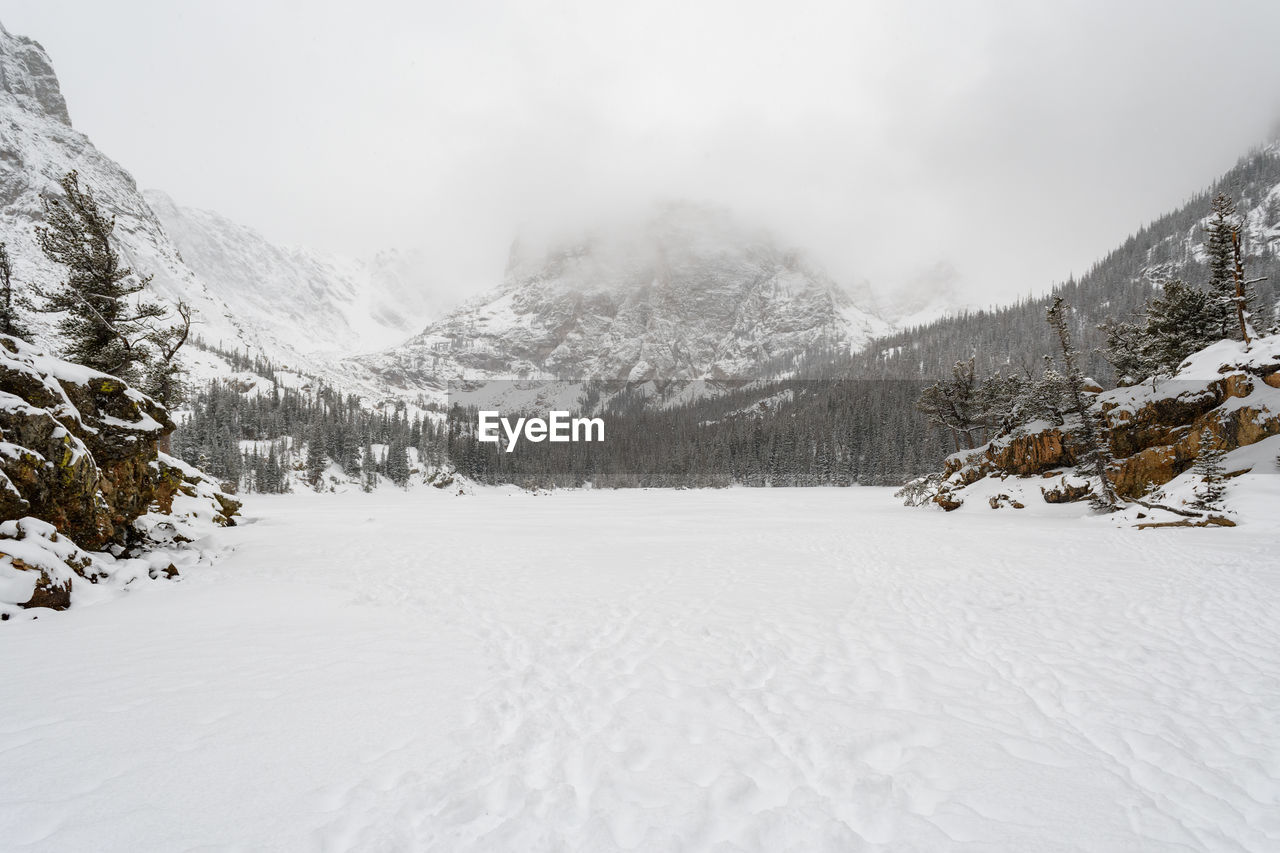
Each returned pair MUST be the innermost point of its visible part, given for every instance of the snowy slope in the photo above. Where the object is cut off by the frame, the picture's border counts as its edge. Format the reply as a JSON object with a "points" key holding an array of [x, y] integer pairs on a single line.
{"points": [[38, 146], [688, 293], [309, 301], [702, 670]]}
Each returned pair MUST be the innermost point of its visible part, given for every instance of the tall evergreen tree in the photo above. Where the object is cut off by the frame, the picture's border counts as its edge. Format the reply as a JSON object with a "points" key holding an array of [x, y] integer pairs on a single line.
{"points": [[1232, 291], [397, 464], [1219, 247], [370, 465], [10, 322], [1093, 434], [1180, 321], [101, 328], [316, 458]]}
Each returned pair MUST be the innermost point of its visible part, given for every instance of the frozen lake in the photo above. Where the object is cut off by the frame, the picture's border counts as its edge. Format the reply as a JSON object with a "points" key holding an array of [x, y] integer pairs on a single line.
{"points": [[654, 670]]}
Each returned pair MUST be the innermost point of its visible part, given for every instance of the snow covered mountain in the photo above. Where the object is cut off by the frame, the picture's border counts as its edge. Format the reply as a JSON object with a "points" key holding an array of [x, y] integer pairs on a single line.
{"points": [[294, 307], [308, 301], [689, 293], [38, 145]]}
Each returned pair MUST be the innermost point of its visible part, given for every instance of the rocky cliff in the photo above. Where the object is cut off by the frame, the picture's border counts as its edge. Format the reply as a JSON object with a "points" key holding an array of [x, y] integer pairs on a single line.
{"points": [[80, 466], [1155, 432]]}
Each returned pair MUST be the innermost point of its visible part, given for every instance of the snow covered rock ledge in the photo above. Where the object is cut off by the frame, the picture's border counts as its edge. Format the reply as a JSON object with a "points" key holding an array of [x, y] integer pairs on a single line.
{"points": [[1155, 432], [80, 468]]}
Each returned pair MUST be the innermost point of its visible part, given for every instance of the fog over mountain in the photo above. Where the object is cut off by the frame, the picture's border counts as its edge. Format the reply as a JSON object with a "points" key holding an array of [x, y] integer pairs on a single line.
{"points": [[1012, 144]]}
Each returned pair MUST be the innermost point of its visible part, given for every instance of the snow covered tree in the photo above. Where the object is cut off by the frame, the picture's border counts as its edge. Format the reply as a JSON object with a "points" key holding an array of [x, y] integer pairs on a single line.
{"points": [[997, 401], [397, 463], [10, 322], [1209, 469], [370, 480], [1047, 397], [1092, 430], [1219, 249], [164, 380], [1232, 292], [953, 403], [1125, 348], [1180, 321], [101, 328], [316, 460]]}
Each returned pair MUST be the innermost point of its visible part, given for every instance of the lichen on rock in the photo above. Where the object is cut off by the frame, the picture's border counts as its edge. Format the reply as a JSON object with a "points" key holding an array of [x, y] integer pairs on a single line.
{"points": [[80, 464]]}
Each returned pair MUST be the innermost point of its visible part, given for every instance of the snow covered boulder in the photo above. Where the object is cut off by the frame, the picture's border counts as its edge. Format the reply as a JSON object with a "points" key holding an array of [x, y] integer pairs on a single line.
{"points": [[37, 565], [189, 504]]}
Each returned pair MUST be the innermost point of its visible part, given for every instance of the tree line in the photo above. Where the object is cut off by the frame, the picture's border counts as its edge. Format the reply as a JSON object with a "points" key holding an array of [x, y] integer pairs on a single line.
{"points": [[1179, 320], [300, 431], [794, 432]]}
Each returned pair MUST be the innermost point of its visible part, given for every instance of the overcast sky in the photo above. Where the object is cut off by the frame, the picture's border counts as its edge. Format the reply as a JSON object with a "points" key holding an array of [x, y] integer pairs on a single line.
{"points": [[1011, 142]]}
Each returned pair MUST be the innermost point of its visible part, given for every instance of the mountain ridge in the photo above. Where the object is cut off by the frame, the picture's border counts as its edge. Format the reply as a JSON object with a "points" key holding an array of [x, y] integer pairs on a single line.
{"points": [[689, 294]]}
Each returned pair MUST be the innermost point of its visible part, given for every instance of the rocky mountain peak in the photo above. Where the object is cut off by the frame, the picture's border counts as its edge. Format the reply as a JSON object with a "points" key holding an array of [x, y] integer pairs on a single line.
{"points": [[27, 75], [684, 291]]}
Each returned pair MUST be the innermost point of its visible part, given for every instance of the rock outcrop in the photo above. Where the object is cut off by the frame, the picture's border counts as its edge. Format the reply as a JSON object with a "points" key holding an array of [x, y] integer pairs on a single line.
{"points": [[27, 75], [79, 465], [1155, 430]]}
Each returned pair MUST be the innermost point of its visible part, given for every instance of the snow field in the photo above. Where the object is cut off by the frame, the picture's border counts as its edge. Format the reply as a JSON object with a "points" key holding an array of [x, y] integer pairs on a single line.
{"points": [[655, 670]]}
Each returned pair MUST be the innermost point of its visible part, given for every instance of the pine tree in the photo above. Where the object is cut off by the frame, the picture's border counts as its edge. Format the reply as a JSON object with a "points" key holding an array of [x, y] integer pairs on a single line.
{"points": [[370, 465], [1047, 397], [10, 322], [316, 459], [1125, 347], [275, 476], [165, 380], [1209, 469], [1180, 321], [1093, 435], [398, 460], [100, 327], [953, 403], [1219, 248], [1232, 292], [998, 397]]}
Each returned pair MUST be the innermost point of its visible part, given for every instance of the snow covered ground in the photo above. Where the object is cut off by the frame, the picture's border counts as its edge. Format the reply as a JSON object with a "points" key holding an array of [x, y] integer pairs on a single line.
{"points": [[699, 670]]}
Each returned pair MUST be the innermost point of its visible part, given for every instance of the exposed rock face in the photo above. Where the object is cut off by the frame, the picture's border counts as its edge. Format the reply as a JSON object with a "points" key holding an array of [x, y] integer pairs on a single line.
{"points": [[79, 465], [1155, 433], [690, 294], [80, 444], [27, 74], [177, 479]]}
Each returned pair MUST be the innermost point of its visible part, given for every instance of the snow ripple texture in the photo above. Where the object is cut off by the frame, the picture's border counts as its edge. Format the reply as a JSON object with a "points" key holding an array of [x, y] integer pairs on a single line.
{"points": [[737, 670]]}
